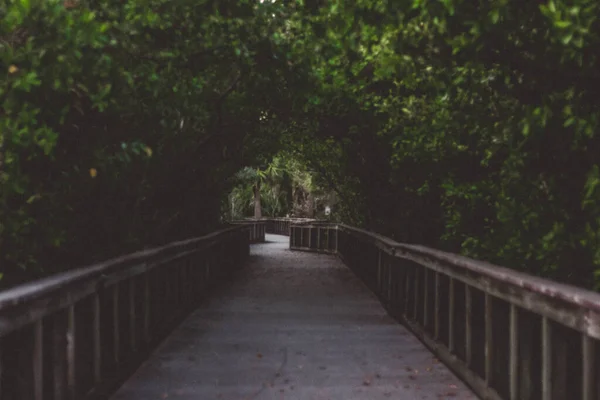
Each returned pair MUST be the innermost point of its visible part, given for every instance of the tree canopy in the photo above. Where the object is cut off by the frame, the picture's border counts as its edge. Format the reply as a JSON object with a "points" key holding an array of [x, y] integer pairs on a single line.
{"points": [[465, 125]]}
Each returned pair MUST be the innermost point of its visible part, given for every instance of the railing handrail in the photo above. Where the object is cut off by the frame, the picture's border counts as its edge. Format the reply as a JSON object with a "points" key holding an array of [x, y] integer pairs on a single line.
{"points": [[506, 333], [578, 296], [32, 291], [584, 299]]}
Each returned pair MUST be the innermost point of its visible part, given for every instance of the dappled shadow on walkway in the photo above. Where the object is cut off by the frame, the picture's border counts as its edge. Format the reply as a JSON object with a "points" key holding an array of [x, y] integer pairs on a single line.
{"points": [[292, 325]]}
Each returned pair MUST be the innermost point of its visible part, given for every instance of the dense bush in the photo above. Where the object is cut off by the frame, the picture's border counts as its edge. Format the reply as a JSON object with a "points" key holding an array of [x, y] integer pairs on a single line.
{"points": [[466, 125], [121, 121]]}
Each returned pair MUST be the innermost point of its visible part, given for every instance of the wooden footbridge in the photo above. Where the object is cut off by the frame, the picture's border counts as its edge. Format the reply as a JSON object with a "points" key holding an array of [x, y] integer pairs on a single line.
{"points": [[328, 312]]}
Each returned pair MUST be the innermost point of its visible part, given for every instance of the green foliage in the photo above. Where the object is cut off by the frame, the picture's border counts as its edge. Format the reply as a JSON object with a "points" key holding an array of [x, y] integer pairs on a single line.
{"points": [[470, 126], [465, 125], [284, 184], [119, 119]]}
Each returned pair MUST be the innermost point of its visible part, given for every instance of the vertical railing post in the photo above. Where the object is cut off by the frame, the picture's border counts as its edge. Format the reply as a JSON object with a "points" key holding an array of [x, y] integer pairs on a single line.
{"points": [[71, 353], [38, 360], [115, 315], [468, 331], [132, 314], [436, 316], [318, 238], [97, 338], [514, 352], [406, 275], [59, 355], [390, 292], [147, 306], [1, 369], [546, 359], [451, 315], [489, 346], [379, 274], [589, 367], [337, 238], [416, 286], [425, 298], [310, 237]]}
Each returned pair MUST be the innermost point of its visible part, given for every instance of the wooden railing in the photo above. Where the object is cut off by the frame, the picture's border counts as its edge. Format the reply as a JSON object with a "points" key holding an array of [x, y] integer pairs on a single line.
{"points": [[314, 236], [509, 335], [256, 229], [76, 335], [277, 226]]}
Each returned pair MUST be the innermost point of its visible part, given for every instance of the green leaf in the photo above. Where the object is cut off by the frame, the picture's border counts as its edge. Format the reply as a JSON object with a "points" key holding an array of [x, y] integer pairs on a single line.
{"points": [[562, 24], [569, 122], [495, 15]]}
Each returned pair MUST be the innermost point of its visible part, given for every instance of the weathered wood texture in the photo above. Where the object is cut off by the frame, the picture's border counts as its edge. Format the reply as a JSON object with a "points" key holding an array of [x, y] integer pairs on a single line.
{"points": [[256, 230], [509, 335], [76, 335]]}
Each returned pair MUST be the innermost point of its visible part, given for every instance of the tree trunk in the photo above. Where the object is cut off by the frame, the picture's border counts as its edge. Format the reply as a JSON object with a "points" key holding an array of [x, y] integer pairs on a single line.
{"points": [[257, 206], [310, 206]]}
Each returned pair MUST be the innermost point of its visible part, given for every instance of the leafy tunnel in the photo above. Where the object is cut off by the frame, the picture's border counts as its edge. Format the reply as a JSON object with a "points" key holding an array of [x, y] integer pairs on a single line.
{"points": [[469, 126]]}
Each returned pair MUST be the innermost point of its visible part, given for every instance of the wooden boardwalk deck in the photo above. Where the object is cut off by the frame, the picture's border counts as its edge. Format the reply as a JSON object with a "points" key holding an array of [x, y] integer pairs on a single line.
{"points": [[297, 326]]}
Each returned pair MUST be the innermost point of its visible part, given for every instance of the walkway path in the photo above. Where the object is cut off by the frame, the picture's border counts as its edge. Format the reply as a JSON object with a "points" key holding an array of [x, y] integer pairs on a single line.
{"points": [[292, 326]]}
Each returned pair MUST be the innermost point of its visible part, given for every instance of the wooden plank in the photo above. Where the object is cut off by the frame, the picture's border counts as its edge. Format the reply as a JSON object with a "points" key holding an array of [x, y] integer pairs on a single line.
{"points": [[38, 360], [514, 353], [468, 326], [546, 359]]}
